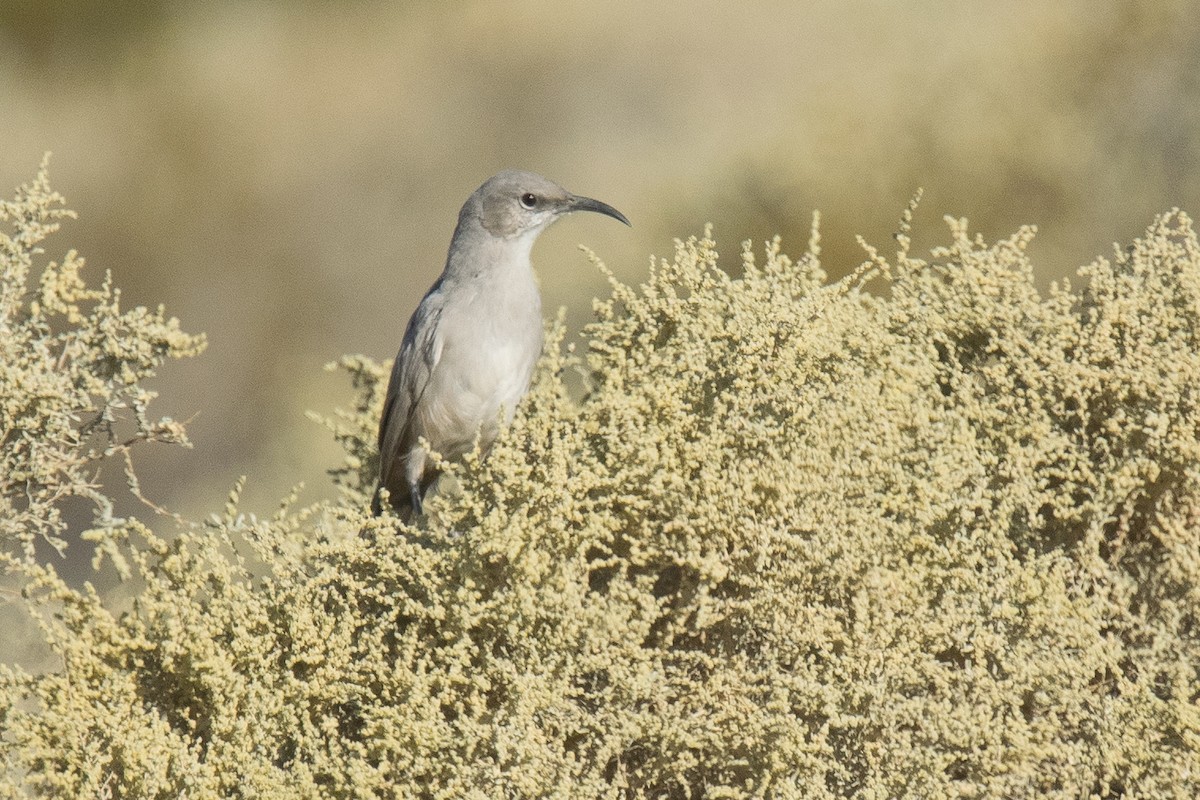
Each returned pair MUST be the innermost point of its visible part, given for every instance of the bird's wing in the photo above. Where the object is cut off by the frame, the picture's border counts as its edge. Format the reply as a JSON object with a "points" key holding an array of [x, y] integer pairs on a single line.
{"points": [[418, 357]]}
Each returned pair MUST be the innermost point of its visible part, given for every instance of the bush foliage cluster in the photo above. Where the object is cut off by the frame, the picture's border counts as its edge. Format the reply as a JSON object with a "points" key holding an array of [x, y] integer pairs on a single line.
{"points": [[797, 540]]}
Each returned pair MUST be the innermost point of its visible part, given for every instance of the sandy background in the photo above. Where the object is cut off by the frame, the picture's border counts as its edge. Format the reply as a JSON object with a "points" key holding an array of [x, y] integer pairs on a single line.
{"points": [[285, 175]]}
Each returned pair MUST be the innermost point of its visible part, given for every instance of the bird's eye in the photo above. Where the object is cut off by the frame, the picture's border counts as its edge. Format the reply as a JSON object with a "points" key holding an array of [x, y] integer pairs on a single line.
{"points": [[529, 200]]}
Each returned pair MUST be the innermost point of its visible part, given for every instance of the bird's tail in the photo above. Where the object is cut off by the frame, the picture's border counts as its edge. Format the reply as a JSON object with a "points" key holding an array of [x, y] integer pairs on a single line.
{"points": [[399, 502]]}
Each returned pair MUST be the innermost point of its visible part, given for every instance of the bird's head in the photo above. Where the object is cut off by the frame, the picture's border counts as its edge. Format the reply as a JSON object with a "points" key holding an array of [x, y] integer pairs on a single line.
{"points": [[515, 203]]}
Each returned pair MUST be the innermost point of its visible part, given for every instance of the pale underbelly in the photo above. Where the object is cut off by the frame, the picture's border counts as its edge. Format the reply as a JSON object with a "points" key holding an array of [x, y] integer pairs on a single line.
{"points": [[473, 400]]}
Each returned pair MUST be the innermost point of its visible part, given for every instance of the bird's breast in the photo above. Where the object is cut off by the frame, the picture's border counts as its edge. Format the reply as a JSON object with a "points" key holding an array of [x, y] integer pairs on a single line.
{"points": [[491, 342]]}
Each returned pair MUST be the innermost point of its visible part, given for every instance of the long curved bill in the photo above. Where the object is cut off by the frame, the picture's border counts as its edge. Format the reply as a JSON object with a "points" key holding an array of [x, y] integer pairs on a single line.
{"points": [[577, 203]]}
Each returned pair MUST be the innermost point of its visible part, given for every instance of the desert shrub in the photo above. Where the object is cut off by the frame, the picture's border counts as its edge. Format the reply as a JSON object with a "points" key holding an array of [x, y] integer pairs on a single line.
{"points": [[71, 366], [797, 540]]}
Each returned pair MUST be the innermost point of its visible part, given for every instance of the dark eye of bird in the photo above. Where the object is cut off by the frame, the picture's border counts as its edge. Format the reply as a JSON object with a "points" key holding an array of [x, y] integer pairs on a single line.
{"points": [[529, 200]]}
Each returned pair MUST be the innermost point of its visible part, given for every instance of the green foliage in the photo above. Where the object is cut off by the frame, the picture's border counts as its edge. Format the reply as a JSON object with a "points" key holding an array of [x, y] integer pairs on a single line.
{"points": [[797, 541]]}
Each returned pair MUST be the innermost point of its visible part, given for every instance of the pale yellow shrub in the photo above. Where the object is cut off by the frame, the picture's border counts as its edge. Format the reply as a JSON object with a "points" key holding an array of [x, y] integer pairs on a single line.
{"points": [[71, 366], [797, 541]]}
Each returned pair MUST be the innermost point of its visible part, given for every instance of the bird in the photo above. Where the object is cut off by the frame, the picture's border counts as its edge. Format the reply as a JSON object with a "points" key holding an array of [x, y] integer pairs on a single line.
{"points": [[470, 347]]}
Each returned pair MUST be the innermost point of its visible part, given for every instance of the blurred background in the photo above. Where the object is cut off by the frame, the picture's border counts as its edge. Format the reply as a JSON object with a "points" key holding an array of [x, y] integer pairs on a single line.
{"points": [[285, 175]]}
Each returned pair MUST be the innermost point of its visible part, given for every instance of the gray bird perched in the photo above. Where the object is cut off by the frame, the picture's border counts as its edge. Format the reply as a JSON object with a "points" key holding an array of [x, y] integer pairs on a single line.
{"points": [[470, 347]]}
